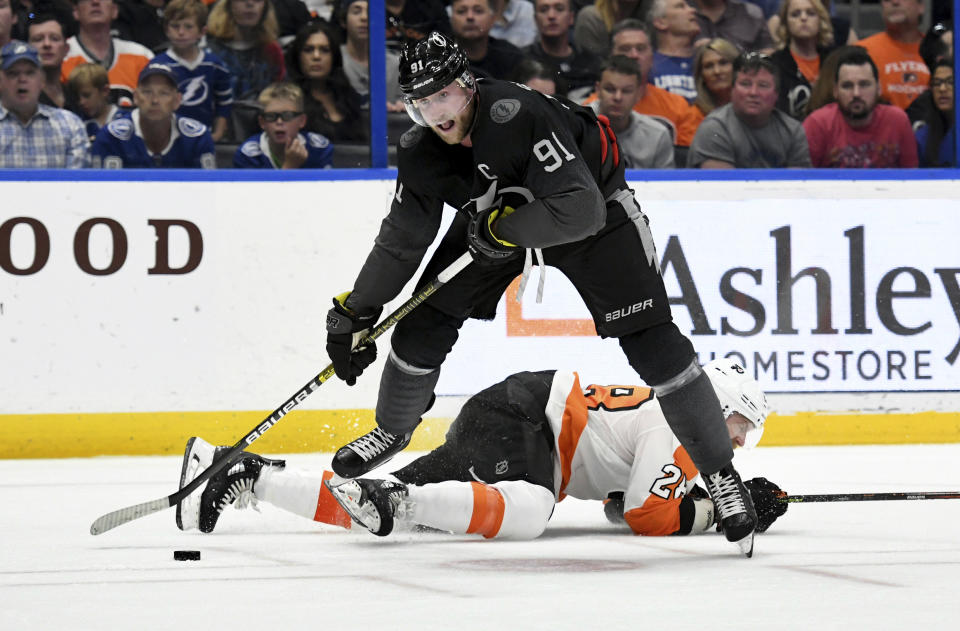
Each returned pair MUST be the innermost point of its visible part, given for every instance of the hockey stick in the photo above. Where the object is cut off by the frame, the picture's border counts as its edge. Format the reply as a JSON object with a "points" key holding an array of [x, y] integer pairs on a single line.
{"points": [[869, 497], [118, 517]]}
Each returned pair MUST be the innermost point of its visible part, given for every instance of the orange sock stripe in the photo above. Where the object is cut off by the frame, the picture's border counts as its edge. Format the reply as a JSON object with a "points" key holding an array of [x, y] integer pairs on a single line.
{"points": [[488, 510], [328, 510]]}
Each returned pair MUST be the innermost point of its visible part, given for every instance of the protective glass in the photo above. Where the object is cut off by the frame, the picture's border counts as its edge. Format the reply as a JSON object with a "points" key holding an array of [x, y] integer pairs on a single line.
{"points": [[441, 106], [272, 117]]}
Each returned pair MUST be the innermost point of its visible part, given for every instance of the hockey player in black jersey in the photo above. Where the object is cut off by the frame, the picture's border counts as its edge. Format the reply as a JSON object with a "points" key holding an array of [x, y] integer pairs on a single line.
{"points": [[533, 177]]}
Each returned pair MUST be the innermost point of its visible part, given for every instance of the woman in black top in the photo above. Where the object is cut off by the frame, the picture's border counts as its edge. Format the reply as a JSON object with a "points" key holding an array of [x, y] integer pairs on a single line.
{"points": [[807, 34], [331, 105]]}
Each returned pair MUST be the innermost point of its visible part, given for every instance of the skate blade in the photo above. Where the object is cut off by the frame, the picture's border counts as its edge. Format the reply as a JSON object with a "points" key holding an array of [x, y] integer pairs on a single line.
{"points": [[349, 495], [746, 545]]}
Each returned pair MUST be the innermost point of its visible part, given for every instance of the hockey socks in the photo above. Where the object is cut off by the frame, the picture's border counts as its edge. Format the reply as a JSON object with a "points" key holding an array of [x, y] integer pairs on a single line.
{"points": [[304, 495]]}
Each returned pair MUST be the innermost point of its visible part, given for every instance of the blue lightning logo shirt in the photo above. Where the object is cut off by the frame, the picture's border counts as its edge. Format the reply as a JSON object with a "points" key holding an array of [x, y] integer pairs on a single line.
{"points": [[255, 153], [120, 145], [205, 86]]}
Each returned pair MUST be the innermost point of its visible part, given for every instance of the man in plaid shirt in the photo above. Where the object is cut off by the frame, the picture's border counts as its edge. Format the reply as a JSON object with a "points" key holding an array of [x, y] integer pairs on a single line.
{"points": [[33, 135]]}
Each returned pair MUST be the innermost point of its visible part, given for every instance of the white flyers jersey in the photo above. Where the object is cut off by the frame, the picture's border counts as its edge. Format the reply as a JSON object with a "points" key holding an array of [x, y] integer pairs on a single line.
{"points": [[615, 438]]}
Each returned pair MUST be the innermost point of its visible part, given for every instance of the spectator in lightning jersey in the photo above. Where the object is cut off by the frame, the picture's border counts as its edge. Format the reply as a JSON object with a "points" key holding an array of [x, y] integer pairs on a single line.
{"points": [[203, 79], [282, 145], [153, 135], [93, 43], [514, 451]]}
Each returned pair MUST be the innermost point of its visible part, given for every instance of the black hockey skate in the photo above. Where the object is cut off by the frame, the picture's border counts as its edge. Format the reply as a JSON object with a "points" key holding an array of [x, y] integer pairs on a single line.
{"points": [[374, 504], [368, 452], [201, 509], [735, 512]]}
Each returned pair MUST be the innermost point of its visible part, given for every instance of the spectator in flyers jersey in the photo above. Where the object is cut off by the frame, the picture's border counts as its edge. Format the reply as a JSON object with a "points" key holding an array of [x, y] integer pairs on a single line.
{"points": [[494, 475], [896, 52]]}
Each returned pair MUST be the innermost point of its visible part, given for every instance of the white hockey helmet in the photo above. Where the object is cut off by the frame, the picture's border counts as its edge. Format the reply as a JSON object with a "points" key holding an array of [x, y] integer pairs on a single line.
{"points": [[738, 392]]}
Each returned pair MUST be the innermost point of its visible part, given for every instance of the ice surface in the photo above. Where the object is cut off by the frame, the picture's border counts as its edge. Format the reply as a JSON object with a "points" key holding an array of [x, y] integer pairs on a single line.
{"points": [[863, 565]]}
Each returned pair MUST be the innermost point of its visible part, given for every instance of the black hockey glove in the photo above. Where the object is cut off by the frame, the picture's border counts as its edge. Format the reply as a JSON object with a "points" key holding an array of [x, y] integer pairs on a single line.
{"points": [[484, 247], [613, 508], [344, 329], [766, 499]]}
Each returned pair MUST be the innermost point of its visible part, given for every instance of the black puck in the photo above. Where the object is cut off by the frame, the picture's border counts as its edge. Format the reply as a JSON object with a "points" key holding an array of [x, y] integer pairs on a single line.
{"points": [[186, 555]]}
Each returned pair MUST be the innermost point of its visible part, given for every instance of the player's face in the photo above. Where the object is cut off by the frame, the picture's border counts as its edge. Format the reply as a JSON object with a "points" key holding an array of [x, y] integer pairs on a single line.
{"points": [[184, 34], [554, 17], [543, 86], [247, 13], [279, 131], [680, 18], [47, 38], [93, 12], [471, 19], [21, 86], [856, 91], [754, 94], [93, 101], [316, 58], [448, 111], [357, 24], [941, 86], [635, 45], [617, 94], [737, 426], [157, 97], [802, 20], [901, 12], [717, 72]]}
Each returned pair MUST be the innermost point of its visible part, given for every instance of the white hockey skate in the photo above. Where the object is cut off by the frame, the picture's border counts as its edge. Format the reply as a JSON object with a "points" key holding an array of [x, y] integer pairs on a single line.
{"points": [[374, 504], [233, 484]]}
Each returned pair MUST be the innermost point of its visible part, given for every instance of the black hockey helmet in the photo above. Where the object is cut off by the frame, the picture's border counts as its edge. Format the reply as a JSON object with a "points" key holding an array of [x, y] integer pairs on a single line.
{"points": [[429, 64]]}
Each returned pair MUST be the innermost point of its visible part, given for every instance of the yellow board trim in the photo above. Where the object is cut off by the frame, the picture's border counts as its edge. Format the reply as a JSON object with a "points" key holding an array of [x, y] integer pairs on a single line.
{"points": [[308, 431]]}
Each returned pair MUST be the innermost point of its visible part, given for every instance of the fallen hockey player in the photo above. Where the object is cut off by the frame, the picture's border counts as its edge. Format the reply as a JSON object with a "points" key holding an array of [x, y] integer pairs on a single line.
{"points": [[514, 451]]}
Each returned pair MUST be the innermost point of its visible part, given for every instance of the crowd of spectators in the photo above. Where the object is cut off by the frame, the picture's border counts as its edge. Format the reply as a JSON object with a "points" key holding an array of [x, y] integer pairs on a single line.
{"points": [[285, 83]]}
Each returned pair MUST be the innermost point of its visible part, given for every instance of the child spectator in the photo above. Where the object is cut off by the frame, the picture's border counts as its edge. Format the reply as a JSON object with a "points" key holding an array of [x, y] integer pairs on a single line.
{"points": [[153, 135], [331, 105], [203, 80], [282, 145], [91, 87], [243, 33]]}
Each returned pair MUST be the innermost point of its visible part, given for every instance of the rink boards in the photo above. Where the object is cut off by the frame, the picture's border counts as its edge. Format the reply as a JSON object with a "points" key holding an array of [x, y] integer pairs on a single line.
{"points": [[136, 314]]}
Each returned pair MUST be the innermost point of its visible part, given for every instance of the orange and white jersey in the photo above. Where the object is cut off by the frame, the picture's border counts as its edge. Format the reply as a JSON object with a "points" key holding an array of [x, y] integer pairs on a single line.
{"points": [[615, 438], [123, 69]]}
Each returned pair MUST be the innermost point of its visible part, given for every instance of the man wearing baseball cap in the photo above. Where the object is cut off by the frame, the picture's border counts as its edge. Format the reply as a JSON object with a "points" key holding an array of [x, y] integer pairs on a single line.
{"points": [[152, 135], [33, 135]]}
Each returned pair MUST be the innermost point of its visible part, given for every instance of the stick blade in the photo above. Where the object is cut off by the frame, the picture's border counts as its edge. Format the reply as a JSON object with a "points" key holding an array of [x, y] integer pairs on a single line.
{"points": [[119, 517]]}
